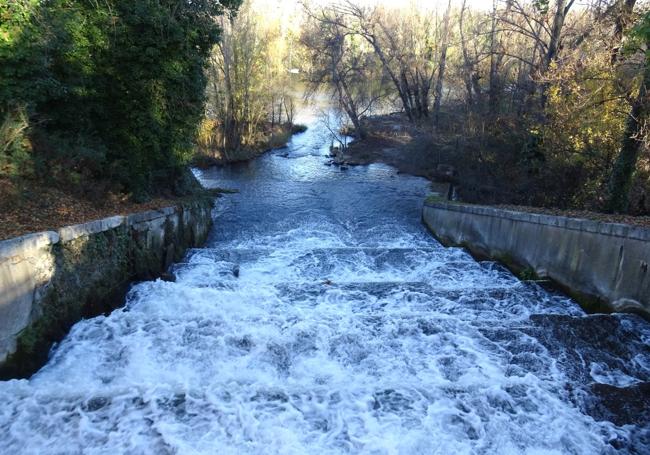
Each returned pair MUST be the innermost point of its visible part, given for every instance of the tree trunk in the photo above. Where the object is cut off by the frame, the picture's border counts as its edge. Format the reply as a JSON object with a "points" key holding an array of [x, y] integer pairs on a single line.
{"points": [[493, 90], [467, 64], [623, 18], [556, 32], [347, 101], [554, 43], [372, 40], [621, 179], [441, 67], [417, 95]]}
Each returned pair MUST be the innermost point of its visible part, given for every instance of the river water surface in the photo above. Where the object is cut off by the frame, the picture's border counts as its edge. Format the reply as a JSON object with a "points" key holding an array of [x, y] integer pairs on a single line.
{"points": [[321, 317]]}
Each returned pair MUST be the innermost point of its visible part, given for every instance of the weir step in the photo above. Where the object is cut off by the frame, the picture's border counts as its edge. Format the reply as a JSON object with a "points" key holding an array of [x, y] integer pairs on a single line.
{"points": [[341, 265]]}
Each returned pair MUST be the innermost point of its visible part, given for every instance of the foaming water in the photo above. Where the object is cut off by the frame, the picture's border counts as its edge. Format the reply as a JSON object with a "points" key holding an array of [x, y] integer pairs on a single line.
{"points": [[322, 318]]}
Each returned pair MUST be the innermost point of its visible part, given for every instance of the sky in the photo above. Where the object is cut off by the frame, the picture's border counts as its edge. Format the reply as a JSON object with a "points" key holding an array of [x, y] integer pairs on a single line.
{"points": [[421, 3], [286, 7]]}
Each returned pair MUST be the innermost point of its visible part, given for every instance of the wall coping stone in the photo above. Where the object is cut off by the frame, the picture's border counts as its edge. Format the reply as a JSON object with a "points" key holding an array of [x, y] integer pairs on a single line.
{"points": [[18, 245], [28, 269], [93, 227], [150, 215], [576, 224]]}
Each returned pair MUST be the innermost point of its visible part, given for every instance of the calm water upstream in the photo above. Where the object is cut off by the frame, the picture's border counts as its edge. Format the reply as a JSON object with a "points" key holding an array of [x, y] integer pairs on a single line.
{"points": [[321, 317]]}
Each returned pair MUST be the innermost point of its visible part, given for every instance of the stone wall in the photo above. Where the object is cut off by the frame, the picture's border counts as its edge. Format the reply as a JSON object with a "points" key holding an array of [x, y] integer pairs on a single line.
{"points": [[604, 266], [50, 280]]}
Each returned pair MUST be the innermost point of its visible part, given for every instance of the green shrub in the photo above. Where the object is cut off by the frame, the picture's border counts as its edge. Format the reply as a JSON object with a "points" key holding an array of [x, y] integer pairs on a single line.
{"points": [[109, 90]]}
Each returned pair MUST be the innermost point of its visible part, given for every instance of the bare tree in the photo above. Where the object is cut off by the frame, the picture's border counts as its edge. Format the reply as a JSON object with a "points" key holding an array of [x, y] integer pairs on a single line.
{"points": [[341, 63], [471, 76], [394, 41], [247, 91], [441, 65]]}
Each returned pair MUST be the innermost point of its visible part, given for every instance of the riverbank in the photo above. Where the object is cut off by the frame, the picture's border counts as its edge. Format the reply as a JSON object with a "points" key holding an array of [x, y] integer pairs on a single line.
{"points": [[394, 141], [36, 204], [210, 153], [440, 158]]}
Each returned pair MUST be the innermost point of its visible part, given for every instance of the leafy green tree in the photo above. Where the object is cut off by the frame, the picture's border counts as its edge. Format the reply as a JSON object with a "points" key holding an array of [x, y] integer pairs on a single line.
{"points": [[112, 90], [21, 57]]}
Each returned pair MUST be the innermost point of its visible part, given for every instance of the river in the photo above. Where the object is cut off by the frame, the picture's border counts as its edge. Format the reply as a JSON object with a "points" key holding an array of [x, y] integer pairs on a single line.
{"points": [[321, 317]]}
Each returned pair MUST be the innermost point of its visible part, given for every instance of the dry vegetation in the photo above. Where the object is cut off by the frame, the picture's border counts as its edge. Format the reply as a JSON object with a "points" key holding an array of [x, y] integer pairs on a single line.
{"points": [[539, 103], [44, 208]]}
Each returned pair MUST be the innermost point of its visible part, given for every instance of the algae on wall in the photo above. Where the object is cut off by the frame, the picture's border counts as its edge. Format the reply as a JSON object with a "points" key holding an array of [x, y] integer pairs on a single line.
{"points": [[93, 268], [603, 266]]}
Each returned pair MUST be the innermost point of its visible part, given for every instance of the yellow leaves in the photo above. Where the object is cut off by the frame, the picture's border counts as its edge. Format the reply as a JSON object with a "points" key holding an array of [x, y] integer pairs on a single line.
{"points": [[583, 111]]}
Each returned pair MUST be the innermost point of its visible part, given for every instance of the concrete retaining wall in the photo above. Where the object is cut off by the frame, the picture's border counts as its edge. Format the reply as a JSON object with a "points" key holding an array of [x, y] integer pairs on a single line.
{"points": [[50, 280], [602, 265]]}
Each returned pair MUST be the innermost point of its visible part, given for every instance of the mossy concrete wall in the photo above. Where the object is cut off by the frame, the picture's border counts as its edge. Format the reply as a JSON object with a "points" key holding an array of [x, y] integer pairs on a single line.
{"points": [[603, 265], [50, 280]]}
